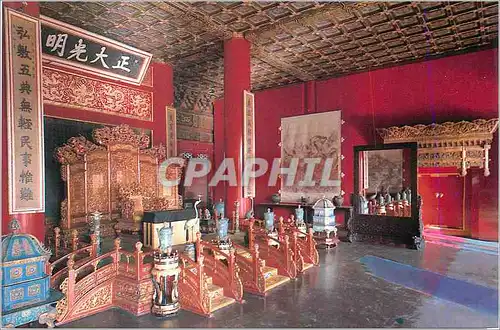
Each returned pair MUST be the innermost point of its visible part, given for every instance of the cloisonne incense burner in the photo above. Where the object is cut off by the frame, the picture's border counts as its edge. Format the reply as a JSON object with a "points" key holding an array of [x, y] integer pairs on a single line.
{"points": [[165, 276]]}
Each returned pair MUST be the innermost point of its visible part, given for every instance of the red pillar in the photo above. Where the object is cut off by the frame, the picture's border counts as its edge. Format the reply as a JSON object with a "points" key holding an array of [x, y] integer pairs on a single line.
{"points": [[163, 89], [236, 80], [31, 223]]}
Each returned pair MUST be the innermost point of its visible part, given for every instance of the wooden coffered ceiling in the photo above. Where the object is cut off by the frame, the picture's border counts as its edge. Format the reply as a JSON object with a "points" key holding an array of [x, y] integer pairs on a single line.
{"points": [[291, 41]]}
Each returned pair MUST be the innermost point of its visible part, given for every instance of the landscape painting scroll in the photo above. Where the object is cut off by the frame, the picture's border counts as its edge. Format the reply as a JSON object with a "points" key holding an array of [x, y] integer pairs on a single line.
{"points": [[312, 142]]}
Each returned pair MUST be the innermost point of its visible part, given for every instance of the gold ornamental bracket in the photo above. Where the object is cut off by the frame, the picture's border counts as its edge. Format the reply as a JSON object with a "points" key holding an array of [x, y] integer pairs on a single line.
{"points": [[461, 144]]}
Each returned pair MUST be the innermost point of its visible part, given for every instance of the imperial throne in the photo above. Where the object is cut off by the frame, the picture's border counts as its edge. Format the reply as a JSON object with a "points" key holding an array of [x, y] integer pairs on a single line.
{"points": [[116, 176]]}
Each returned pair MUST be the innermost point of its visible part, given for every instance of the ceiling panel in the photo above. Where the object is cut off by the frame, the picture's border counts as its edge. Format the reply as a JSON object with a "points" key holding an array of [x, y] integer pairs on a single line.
{"points": [[291, 41]]}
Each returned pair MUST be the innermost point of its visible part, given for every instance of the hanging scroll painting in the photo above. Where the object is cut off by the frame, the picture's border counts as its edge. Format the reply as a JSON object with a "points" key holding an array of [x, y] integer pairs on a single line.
{"points": [[318, 137], [249, 139], [24, 113]]}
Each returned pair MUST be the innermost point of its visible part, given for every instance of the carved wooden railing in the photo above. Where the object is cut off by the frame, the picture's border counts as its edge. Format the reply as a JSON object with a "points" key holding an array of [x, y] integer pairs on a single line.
{"points": [[193, 286], [280, 257], [62, 245], [251, 271], [133, 265], [89, 285], [57, 267], [303, 247], [223, 275]]}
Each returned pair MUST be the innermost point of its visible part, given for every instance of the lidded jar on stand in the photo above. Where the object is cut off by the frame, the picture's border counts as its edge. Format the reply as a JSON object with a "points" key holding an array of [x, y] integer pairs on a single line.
{"points": [[165, 275], [219, 209], [269, 220], [299, 222]]}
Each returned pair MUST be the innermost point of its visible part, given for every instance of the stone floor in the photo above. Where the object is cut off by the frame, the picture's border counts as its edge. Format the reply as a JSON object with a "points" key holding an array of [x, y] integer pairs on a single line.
{"points": [[340, 294]]}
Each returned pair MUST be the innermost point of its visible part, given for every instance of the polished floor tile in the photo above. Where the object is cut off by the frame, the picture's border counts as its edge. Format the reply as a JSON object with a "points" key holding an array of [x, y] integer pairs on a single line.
{"points": [[340, 293]]}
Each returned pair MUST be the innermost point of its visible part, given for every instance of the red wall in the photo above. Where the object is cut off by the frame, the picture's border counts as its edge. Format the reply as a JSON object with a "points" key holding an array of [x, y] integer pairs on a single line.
{"points": [[461, 87], [163, 95]]}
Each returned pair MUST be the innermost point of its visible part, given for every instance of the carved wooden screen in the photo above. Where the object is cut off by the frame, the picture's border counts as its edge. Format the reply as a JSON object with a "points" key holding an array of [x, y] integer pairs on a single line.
{"points": [[173, 172], [97, 181], [148, 168], [76, 192], [124, 169]]}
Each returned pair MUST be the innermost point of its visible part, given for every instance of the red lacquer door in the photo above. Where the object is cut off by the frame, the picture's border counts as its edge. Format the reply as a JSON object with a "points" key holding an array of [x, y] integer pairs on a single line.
{"points": [[443, 201]]}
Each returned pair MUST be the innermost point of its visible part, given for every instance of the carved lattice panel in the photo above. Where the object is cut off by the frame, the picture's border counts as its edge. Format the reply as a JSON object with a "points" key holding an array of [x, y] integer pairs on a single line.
{"points": [[149, 173], [77, 191], [97, 181], [124, 169]]}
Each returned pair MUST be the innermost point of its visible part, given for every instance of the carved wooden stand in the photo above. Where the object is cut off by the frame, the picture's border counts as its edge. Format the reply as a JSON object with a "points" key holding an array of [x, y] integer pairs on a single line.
{"points": [[165, 275]]}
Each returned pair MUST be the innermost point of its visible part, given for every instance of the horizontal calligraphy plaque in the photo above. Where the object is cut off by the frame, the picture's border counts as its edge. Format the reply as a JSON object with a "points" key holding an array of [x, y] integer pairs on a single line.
{"points": [[76, 48], [24, 113]]}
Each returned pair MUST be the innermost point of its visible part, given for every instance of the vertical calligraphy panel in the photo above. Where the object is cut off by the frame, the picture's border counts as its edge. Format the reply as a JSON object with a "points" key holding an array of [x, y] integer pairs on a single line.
{"points": [[248, 139], [24, 113], [171, 132]]}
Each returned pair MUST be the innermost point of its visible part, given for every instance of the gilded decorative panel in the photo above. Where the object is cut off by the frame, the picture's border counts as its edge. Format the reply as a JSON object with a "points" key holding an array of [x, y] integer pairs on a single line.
{"points": [[77, 189], [148, 171], [97, 181], [124, 169], [74, 91]]}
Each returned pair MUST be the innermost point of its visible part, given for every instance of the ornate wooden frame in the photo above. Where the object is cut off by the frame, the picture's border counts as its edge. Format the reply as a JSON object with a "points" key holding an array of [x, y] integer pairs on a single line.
{"points": [[461, 144], [399, 230]]}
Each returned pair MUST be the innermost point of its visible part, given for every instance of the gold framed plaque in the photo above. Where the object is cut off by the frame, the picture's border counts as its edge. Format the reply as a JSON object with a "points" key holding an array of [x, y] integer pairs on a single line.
{"points": [[24, 113]]}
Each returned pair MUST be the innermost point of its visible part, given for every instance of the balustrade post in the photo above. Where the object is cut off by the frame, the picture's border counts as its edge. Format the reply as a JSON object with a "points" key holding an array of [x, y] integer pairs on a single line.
{"points": [[250, 235], [138, 260], [295, 246], [71, 280], [256, 264], [230, 264], [200, 273], [57, 240], [116, 258], [311, 242], [198, 246], [93, 242], [287, 259], [74, 240]]}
